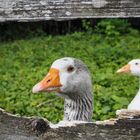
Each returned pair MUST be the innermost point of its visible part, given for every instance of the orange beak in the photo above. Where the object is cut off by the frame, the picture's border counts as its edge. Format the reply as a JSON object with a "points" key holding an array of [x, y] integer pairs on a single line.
{"points": [[51, 82], [124, 69]]}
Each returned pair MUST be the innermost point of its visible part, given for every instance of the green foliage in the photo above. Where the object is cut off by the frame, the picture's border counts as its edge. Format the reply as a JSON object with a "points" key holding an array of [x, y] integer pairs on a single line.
{"points": [[25, 62], [86, 24], [113, 27]]}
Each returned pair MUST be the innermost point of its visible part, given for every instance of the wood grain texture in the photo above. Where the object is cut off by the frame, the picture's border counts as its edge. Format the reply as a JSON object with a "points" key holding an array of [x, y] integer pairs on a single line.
{"points": [[36, 10], [21, 128]]}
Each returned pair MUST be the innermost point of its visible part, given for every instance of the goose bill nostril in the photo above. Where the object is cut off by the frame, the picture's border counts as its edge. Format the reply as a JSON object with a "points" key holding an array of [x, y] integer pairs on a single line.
{"points": [[48, 80]]}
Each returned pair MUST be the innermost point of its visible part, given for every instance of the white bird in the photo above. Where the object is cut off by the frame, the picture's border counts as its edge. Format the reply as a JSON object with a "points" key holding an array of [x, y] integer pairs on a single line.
{"points": [[71, 79], [133, 67]]}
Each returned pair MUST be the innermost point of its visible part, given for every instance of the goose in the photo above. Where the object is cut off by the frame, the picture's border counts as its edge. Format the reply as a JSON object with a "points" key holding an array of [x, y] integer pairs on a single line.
{"points": [[70, 78], [133, 67]]}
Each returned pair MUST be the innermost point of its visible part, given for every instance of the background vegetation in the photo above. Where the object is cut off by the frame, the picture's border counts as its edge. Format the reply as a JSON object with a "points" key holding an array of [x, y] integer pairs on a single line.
{"points": [[104, 48]]}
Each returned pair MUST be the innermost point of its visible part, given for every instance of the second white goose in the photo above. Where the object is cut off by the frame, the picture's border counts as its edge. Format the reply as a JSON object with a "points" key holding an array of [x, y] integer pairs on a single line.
{"points": [[133, 67]]}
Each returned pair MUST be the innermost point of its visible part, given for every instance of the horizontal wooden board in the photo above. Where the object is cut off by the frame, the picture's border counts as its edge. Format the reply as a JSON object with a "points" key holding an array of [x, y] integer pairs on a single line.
{"points": [[126, 127], [34, 10]]}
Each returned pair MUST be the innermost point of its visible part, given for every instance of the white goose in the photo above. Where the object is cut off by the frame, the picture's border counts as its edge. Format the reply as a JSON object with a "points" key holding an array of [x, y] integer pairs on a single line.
{"points": [[70, 77], [133, 67]]}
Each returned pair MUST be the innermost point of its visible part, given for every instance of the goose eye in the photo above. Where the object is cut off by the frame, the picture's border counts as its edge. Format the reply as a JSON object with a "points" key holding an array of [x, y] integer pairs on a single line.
{"points": [[136, 63], [70, 69]]}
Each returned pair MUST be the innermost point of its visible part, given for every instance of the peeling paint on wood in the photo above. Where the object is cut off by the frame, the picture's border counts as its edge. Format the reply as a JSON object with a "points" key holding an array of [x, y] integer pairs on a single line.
{"points": [[34, 10]]}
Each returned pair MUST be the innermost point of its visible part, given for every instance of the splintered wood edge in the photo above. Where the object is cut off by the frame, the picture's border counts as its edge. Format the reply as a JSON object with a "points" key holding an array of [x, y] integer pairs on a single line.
{"points": [[18, 116], [111, 121], [61, 124], [125, 113], [121, 114]]}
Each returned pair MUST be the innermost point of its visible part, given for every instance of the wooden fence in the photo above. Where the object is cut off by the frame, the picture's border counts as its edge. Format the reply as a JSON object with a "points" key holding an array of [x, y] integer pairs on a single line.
{"points": [[37, 10]]}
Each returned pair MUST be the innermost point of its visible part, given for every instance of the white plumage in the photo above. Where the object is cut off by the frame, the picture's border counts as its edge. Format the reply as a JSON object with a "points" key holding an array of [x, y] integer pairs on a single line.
{"points": [[133, 67], [71, 79]]}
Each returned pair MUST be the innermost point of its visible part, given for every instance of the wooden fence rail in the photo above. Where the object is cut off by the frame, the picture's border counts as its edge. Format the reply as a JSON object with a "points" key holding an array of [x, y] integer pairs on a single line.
{"points": [[36, 10], [21, 128]]}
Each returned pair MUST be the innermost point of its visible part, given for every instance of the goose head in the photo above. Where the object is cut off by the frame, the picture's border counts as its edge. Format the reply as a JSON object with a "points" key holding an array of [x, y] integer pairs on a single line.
{"points": [[71, 79], [133, 67]]}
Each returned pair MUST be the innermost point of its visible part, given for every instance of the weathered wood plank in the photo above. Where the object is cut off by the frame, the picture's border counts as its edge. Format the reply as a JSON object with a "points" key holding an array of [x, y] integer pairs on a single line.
{"points": [[21, 128], [33, 10]]}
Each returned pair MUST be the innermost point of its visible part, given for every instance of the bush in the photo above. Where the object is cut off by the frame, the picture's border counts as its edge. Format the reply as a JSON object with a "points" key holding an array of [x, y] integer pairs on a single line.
{"points": [[25, 62]]}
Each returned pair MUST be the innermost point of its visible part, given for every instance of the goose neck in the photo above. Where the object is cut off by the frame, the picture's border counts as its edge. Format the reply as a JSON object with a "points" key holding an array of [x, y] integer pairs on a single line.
{"points": [[78, 109]]}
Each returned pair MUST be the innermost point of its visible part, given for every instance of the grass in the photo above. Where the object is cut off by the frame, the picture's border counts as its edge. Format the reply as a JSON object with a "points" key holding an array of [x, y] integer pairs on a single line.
{"points": [[105, 49]]}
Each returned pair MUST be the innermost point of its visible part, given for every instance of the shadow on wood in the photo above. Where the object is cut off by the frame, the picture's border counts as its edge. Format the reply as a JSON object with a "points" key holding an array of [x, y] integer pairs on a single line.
{"points": [[21, 128]]}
